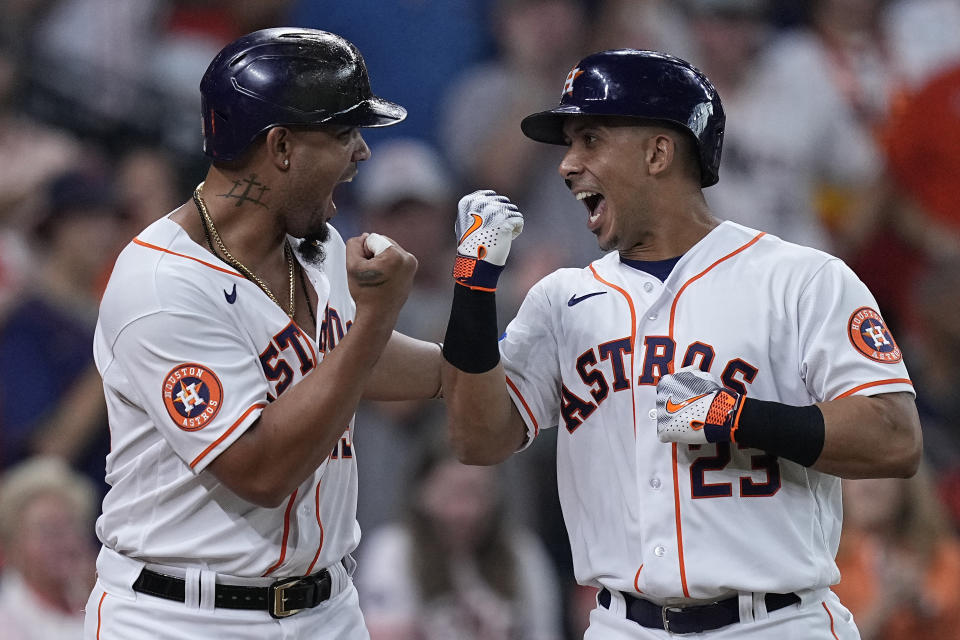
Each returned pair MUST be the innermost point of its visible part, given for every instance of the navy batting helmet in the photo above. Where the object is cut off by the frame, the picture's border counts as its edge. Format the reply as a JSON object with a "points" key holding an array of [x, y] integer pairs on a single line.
{"points": [[286, 76], [646, 85]]}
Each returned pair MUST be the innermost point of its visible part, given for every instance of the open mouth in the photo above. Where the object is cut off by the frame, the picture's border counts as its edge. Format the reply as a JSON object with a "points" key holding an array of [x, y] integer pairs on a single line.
{"points": [[595, 203]]}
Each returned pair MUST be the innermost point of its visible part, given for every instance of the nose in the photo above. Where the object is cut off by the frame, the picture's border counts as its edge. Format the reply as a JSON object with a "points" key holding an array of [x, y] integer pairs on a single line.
{"points": [[362, 151], [569, 165]]}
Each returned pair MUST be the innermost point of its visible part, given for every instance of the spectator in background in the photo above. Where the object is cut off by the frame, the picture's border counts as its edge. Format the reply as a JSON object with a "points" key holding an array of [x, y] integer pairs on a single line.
{"points": [[46, 519], [812, 106], [30, 152], [50, 398], [405, 193], [919, 220], [899, 560], [88, 67], [935, 344], [728, 37], [455, 568], [148, 185], [481, 138], [660, 25]]}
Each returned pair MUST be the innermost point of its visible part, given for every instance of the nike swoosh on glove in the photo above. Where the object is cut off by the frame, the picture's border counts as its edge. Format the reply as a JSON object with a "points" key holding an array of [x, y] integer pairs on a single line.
{"points": [[487, 223], [693, 408]]}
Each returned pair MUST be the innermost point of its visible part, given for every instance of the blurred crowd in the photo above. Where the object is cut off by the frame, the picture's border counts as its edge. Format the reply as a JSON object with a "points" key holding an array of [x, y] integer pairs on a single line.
{"points": [[843, 132]]}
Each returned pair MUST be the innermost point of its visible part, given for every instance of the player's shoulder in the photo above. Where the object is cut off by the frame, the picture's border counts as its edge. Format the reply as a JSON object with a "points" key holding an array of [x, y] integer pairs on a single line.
{"points": [[773, 251], [159, 269]]}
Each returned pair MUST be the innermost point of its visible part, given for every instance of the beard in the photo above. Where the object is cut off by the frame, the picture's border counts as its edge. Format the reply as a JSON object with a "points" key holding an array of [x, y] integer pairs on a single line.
{"points": [[311, 247]]}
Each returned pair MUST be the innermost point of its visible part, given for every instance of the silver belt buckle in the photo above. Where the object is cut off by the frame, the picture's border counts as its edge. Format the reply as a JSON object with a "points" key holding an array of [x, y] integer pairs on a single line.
{"points": [[277, 599], [666, 620]]}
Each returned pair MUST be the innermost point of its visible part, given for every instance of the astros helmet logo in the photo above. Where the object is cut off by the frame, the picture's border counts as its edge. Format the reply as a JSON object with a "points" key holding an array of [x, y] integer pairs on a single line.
{"points": [[193, 395], [869, 335], [575, 73]]}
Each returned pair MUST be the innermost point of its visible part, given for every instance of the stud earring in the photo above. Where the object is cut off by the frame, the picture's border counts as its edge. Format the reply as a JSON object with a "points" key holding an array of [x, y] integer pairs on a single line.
{"points": [[286, 162]]}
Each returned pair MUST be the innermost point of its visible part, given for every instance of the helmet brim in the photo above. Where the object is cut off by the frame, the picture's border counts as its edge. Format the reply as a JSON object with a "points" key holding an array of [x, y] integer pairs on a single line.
{"points": [[372, 112], [547, 126]]}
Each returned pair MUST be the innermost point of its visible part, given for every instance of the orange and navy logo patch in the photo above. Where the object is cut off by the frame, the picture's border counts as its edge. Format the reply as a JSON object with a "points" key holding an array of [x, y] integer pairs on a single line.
{"points": [[193, 395], [869, 335], [575, 73]]}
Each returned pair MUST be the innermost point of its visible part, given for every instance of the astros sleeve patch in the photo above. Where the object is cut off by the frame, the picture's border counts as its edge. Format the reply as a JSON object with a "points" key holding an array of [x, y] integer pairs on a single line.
{"points": [[193, 395], [869, 335]]}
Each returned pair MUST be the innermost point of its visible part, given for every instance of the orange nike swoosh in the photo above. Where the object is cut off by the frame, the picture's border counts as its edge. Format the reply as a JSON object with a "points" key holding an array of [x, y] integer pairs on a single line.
{"points": [[673, 408], [477, 221]]}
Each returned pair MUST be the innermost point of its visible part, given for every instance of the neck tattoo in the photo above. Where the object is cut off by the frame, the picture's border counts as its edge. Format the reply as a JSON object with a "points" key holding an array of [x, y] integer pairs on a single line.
{"points": [[212, 236]]}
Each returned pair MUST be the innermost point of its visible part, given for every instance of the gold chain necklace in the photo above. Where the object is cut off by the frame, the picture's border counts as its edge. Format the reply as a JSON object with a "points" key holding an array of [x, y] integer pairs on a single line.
{"points": [[211, 231]]}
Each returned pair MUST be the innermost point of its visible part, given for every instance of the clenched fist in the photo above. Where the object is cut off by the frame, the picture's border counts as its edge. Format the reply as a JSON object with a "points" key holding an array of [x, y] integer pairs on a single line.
{"points": [[486, 225]]}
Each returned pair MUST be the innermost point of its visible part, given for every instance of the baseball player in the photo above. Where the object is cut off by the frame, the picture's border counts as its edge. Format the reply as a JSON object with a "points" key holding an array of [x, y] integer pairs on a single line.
{"points": [[710, 383], [236, 336]]}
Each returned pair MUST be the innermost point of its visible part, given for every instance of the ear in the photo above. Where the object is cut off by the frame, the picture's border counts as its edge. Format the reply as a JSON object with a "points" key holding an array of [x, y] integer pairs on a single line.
{"points": [[278, 146], [661, 150]]}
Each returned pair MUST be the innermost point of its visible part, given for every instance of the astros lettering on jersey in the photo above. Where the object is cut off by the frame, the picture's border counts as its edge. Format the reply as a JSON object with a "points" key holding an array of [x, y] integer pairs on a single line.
{"points": [[205, 352], [770, 319]]}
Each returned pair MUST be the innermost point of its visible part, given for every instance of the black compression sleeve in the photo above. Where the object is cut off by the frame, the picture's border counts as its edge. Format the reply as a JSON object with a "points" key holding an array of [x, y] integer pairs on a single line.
{"points": [[794, 433], [471, 342]]}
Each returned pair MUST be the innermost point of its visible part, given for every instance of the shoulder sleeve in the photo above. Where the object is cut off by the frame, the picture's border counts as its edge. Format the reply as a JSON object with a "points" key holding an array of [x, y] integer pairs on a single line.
{"points": [[197, 379], [845, 346], [530, 356]]}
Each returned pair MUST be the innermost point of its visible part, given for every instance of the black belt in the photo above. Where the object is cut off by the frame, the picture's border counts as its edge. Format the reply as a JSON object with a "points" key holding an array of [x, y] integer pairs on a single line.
{"points": [[283, 598], [692, 619]]}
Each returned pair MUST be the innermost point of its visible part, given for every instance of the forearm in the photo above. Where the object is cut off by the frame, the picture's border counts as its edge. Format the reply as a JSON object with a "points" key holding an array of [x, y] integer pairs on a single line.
{"points": [[408, 369], [295, 433], [852, 437], [871, 436], [484, 425]]}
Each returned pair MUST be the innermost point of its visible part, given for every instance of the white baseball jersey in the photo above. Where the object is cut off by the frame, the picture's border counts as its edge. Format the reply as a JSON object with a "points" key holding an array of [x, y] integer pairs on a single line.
{"points": [[190, 352], [772, 319]]}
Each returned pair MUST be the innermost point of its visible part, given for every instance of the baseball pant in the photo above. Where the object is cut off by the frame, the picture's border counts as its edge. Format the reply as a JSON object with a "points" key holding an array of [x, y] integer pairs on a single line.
{"points": [[116, 612], [821, 618]]}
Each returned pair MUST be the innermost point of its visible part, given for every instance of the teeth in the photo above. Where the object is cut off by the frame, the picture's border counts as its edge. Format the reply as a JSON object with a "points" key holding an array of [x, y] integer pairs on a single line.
{"points": [[586, 194]]}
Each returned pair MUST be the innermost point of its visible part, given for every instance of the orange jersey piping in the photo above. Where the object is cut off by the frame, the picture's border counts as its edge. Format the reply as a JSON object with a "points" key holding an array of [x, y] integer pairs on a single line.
{"points": [[286, 533], [316, 500], [526, 407], [236, 424], [875, 384], [636, 580], [676, 483], [100, 613], [673, 307], [183, 255], [830, 615]]}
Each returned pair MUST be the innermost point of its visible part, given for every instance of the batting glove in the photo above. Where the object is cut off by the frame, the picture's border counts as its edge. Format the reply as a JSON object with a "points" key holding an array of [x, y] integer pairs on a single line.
{"points": [[486, 225], [693, 408]]}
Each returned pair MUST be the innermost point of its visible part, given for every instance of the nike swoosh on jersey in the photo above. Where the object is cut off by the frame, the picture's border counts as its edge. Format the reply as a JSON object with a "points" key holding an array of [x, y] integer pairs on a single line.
{"points": [[232, 296], [575, 300], [673, 408]]}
